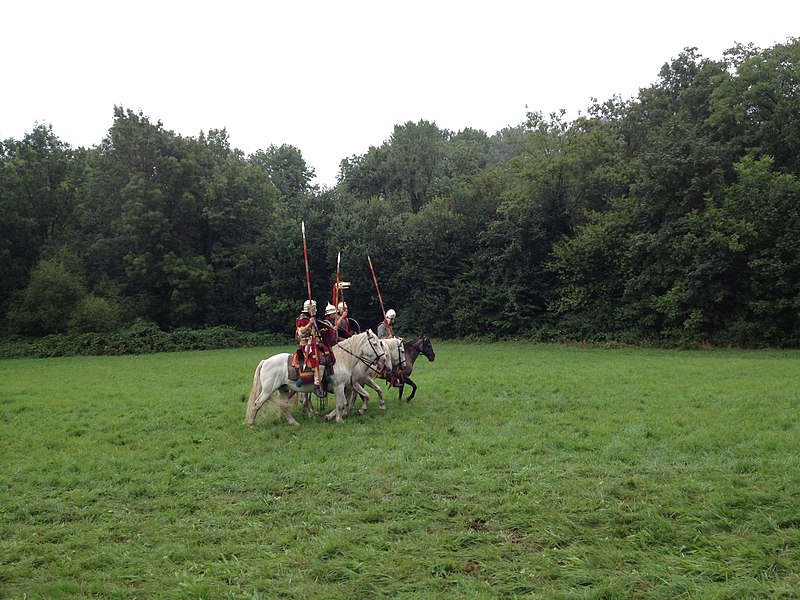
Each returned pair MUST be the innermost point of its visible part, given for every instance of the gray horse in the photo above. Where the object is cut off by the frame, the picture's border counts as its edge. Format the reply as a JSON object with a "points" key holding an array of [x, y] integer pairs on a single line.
{"points": [[272, 374]]}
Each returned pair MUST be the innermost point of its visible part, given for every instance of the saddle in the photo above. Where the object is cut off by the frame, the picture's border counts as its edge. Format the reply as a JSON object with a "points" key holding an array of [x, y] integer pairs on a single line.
{"points": [[304, 375]]}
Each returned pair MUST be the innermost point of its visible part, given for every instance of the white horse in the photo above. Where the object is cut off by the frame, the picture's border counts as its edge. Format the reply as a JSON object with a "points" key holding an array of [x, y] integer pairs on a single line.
{"points": [[362, 375], [272, 374]]}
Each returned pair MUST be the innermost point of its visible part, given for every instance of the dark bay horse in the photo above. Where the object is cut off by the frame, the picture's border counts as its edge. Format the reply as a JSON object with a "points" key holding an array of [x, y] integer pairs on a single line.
{"points": [[411, 350]]}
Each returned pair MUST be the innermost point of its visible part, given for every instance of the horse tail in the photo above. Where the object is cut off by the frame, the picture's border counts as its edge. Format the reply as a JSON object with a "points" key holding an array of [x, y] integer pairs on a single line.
{"points": [[255, 392]]}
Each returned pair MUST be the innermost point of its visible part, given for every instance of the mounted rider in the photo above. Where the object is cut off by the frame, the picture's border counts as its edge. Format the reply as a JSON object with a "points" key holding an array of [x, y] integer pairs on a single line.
{"points": [[307, 357], [327, 330], [342, 322], [385, 326], [394, 379]]}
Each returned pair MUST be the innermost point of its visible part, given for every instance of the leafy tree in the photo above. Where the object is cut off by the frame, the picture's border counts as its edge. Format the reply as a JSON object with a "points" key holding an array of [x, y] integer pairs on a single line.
{"points": [[367, 175], [415, 153], [764, 206], [756, 108], [287, 170], [38, 176], [46, 305]]}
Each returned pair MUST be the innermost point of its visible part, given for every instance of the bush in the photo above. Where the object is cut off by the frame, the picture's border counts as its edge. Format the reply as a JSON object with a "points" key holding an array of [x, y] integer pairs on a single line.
{"points": [[93, 313], [45, 305], [142, 337]]}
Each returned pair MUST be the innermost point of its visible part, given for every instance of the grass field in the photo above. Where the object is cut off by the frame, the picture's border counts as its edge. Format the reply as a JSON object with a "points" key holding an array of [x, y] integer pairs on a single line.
{"points": [[518, 471]]}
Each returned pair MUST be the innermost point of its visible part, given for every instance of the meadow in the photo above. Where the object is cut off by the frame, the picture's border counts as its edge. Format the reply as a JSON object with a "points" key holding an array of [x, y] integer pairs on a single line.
{"points": [[518, 471]]}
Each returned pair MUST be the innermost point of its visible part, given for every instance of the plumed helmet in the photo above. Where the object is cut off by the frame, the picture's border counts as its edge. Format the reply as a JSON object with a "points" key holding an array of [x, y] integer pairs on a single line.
{"points": [[341, 306], [307, 306], [330, 309], [390, 314]]}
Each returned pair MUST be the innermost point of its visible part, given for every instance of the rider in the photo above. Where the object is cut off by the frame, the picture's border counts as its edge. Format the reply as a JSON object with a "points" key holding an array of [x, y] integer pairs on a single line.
{"points": [[385, 326], [327, 329], [306, 353], [342, 322], [385, 331]]}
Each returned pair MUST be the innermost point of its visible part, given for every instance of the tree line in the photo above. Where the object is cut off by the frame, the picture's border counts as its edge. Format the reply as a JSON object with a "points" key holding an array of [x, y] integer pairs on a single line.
{"points": [[671, 217]]}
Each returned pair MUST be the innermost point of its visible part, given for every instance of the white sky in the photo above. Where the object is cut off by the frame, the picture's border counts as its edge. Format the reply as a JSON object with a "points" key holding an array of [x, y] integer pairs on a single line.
{"points": [[333, 77]]}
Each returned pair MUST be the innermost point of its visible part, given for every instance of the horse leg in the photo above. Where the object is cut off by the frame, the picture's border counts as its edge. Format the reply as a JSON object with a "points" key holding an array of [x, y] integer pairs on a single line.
{"points": [[413, 389], [334, 413], [371, 383], [359, 389], [253, 406], [286, 404], [330, 416], [308, 405], [341, 403], [350, 392]]}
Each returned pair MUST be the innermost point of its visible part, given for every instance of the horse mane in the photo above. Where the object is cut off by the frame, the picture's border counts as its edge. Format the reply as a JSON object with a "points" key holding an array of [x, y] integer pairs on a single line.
{"points": [[348, 343], [346, 348]]}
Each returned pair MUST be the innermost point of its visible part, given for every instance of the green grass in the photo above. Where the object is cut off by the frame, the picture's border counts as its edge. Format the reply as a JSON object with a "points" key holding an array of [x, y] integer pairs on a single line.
{"points": [[518, 471]]}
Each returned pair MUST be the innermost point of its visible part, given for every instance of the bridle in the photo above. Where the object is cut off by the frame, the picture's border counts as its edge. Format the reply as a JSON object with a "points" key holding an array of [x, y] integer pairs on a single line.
{"points": [[378, 354], [401, 354]]}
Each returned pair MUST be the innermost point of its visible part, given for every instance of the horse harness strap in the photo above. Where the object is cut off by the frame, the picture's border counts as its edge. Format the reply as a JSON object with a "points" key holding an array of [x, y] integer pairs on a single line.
{"points": [[368, 364]]}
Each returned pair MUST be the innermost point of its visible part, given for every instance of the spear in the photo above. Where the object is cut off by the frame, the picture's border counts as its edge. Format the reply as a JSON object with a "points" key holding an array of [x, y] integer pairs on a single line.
{"points": [[341, 286], [337, 285], [311, 310], [375, 279]]}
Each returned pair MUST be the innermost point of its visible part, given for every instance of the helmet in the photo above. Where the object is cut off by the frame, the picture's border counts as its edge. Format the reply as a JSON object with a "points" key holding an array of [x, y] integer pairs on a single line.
{"points": [[330, 309], [390, 314], [341, 306], [307, 306]]}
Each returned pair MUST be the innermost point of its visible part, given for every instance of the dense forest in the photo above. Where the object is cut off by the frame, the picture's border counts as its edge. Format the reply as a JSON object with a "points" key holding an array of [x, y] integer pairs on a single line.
{"points": [[672, 217]]}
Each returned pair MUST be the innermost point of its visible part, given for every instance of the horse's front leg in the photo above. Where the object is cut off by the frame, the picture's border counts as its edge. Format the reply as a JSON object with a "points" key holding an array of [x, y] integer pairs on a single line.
{"points": [[358, 389], [308, 405], [341, 403], [350, 392], [413, 389], [371, 383]]}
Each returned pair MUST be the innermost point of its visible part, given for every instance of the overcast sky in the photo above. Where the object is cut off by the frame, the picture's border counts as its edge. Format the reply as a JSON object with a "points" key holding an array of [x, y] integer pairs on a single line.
{"points": [[333, 77]]}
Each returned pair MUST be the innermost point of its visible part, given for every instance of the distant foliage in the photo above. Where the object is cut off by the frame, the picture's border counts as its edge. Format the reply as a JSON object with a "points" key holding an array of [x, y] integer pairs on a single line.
{"points": [[669, 218], [139, 338]]}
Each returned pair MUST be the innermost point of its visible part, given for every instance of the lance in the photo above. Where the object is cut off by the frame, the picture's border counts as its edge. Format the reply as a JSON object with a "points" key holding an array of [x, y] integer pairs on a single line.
{"points": [[311, 310], [341, 286], [337, 286], [377, 289]]}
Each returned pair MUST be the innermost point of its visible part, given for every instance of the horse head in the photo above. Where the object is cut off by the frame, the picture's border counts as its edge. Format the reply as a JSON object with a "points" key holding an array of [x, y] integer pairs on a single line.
{"points": [[382, 358], [394, 357], [427, 348]]}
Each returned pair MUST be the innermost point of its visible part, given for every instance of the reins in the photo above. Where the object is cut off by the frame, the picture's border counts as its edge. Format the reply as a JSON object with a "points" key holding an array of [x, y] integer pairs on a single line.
{"points": [[363, 360]]}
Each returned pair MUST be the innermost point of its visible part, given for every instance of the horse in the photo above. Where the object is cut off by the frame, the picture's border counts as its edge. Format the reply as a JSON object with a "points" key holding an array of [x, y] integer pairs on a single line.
{"points": [[272, 374], [361, 374], [405, 361]]}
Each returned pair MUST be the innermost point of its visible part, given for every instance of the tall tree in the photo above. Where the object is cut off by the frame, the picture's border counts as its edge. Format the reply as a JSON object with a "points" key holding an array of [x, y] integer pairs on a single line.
{"points": [[38, 177]]}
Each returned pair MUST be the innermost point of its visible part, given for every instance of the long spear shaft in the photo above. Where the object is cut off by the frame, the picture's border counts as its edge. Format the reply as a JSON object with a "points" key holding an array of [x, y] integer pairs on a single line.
{"points": [[305, 256], [339, 287], [311, 310], [377, 289], [336, 285]]}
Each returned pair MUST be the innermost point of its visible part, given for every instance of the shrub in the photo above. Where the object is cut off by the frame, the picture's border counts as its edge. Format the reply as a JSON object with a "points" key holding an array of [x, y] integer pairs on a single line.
{"points": [[142, 337]]}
